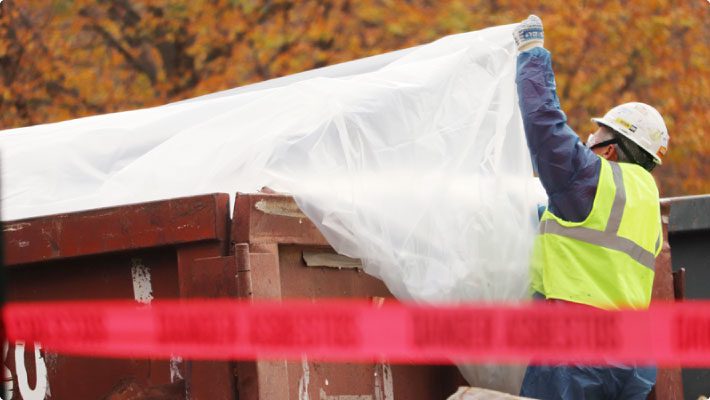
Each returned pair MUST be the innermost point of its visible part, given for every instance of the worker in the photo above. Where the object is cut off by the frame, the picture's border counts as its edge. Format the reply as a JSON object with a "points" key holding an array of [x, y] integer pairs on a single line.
{"points": [[601, 230]]}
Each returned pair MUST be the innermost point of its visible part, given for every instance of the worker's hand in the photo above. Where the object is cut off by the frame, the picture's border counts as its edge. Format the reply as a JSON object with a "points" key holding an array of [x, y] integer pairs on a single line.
{"points": [[529, 33]]}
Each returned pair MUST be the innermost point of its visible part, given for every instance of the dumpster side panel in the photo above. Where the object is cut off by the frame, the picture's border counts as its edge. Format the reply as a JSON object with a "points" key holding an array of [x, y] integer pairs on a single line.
{"points": [[669, 384], [276, 235], [689, 230], [108, 276], [141, 252], [182, 248], [379, 380], [269, 225], [692, 251], [104, 276]]}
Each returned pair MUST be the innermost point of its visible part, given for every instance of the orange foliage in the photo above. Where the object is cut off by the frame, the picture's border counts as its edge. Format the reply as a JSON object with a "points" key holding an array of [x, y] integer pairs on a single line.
{"points": [[64, 59]]}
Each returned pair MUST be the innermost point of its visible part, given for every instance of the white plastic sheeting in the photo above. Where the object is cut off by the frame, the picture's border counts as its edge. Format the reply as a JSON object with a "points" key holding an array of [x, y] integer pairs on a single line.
{"points": [[414, 161]]}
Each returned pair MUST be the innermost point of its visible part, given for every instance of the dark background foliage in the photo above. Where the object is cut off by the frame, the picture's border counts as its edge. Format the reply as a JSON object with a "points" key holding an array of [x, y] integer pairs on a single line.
{"points": [[65, 59]]}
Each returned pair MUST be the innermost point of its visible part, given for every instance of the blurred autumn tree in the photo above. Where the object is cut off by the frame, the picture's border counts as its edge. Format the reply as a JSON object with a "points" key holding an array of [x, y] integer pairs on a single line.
{"points": [[69, 58]]}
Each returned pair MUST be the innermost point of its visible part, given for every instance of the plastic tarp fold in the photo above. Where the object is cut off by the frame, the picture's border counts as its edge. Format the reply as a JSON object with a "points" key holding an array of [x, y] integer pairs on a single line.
{"points": [[413, 161]]}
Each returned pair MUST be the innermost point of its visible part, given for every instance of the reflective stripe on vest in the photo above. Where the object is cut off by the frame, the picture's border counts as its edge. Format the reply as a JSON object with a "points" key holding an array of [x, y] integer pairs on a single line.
{"points": [[608, 238]]}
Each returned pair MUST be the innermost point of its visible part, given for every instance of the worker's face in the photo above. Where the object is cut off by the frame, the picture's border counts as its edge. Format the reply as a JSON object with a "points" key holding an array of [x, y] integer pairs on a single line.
{"points": [[595, 140]]}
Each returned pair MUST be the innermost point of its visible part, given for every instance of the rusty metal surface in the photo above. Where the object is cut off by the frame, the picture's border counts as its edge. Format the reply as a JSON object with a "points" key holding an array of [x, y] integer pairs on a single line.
{"points": [[112, 229], [376, 380], [269, 218], [669, 384], [679, 284], [107, 276], [97, 277], [258, 277], [276, 234], [187, 248], [663, 280], [203, 273], [131, 389], [141, 252]]}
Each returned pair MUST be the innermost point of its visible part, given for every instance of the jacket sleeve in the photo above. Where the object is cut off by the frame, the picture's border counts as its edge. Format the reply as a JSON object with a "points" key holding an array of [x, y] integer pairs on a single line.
{"points": [[568, 170]]}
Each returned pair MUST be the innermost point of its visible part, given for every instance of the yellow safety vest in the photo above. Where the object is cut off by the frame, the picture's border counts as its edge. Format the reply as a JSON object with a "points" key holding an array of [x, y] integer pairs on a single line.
{"points": [[607, 260]]}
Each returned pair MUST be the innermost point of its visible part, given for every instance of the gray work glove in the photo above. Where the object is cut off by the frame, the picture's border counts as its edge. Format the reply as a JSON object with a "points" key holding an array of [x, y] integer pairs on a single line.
{"points": [[529, 33]]}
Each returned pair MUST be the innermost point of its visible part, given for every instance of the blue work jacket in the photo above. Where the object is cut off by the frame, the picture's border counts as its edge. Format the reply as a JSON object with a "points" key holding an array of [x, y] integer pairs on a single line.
{"points": [[568, 170]]}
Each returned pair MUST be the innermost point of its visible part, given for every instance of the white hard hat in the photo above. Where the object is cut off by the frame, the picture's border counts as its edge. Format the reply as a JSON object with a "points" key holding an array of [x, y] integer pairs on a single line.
{"points": [[640, 123]]}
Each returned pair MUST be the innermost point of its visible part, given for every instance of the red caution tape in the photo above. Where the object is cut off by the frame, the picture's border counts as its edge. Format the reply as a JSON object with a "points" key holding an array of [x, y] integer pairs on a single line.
{"points": [[337, 330]]}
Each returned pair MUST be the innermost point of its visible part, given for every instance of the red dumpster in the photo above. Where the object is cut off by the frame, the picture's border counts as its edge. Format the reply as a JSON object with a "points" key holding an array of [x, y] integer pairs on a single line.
{"points": [[190, 247]]}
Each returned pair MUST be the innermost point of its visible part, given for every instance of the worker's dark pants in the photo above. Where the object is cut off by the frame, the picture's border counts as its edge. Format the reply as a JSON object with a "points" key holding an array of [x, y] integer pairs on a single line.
{"points": [[585, 382]]}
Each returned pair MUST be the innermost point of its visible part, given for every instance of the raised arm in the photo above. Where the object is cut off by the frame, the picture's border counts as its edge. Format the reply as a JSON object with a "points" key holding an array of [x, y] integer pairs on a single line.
{"points": [[568, 170]]}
